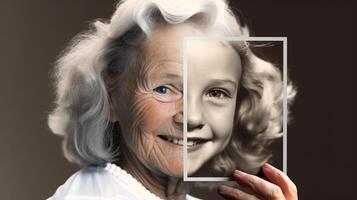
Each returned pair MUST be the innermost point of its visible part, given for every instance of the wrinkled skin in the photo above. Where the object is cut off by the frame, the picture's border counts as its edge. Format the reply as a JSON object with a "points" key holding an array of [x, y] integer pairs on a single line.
{"points": [[154, 109]]}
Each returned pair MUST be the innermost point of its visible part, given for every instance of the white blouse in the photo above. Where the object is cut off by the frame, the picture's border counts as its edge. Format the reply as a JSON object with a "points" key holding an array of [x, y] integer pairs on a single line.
{"points": [[108, 182]]}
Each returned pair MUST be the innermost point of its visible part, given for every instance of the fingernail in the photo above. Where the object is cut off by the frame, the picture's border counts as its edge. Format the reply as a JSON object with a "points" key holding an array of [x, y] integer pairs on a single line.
{"points": [[238, 173], [267, 165], [223, 189]]}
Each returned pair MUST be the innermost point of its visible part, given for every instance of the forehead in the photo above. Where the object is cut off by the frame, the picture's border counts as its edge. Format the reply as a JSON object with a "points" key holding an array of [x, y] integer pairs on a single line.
{"points": [[214, 59], [165, 42], [163, 49]]}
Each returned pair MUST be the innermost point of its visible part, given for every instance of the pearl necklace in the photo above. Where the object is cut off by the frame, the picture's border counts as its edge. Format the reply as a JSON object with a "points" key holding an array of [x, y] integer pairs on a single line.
{"points": [[133, 185]]}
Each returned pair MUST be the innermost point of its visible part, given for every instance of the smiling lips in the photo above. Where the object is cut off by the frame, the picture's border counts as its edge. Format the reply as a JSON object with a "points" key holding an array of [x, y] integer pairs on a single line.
{"points": [[191, 142], [172, 139]]}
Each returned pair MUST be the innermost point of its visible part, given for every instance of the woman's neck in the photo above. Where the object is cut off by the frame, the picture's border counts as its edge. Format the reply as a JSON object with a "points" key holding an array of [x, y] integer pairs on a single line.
{"points": [[161, 185]]}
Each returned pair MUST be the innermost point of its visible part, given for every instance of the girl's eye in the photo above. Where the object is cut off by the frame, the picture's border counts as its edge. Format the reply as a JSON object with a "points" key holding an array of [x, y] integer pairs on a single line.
{"points": [[218, 93]]}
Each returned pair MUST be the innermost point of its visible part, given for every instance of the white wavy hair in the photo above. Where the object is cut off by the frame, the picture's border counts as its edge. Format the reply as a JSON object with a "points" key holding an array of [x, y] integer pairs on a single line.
{"points": [[93, 64]]}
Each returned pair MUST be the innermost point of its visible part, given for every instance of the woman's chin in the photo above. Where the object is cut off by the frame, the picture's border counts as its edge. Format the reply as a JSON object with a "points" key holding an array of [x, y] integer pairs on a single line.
{"points": [[176, 168], [173, 168], [176, 173]]}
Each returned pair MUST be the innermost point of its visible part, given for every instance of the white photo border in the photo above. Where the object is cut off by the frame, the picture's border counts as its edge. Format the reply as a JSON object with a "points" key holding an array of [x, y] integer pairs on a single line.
{"points": [[185, 79]]}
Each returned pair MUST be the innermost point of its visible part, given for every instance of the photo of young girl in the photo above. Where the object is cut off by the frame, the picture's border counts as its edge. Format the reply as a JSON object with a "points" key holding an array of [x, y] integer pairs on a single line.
{"points": [[235, 107]]}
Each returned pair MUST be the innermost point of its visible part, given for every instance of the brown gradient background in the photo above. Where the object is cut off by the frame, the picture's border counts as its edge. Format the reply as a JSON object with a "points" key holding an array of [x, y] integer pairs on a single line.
{"points": [[321, 60]]}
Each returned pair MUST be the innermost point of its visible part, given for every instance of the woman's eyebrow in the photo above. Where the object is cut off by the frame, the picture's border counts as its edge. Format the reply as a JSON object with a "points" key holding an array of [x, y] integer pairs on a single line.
{"points": [[171, 77]]}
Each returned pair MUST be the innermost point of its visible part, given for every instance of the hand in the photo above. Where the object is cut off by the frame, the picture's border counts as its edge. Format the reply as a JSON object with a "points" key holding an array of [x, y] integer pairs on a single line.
{"points": [[281, 188]]}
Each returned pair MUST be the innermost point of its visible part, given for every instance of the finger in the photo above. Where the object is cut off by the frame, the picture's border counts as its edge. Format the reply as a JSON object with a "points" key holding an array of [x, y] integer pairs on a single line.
{"points": [[261, 187], [234, 193], [282, 180]]}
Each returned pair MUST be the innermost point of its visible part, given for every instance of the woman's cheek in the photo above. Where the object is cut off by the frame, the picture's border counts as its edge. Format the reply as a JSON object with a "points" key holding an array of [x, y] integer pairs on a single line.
{"points": [[157, 114]]}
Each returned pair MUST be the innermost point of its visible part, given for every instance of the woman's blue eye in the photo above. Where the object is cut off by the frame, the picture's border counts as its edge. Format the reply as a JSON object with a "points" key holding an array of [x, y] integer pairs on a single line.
{"points": [[167, 93], [162, 90]]}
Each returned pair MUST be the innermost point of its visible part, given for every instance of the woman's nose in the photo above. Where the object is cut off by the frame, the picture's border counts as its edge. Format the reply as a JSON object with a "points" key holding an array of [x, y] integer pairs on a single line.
{"points": [[178, 117], [194, 115]]}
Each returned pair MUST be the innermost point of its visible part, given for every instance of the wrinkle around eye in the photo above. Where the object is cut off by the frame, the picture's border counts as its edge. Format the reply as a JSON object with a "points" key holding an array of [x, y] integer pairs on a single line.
{"points": [[166, 93]]}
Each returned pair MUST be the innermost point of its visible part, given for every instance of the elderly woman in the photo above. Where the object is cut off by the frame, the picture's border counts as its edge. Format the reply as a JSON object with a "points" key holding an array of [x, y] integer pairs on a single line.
{"points": [[119, 104]]}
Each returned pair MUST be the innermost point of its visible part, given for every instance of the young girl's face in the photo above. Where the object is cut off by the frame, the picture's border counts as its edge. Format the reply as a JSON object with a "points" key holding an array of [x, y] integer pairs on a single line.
{"points": [[214, 70]]}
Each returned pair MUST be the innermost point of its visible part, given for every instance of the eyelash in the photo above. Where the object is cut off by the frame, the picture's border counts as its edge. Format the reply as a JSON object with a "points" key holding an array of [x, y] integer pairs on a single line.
{"points": [[167, 93], [161, 87], [220, 91], [170, 88]]}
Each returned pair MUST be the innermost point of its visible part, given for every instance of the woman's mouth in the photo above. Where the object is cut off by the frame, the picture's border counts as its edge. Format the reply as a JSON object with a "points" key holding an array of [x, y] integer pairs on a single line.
{"points": [[191, 142], [174, 140]]}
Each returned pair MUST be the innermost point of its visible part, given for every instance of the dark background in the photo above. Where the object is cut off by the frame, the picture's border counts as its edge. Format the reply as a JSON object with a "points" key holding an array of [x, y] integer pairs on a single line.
{"points": [[321, 61]]}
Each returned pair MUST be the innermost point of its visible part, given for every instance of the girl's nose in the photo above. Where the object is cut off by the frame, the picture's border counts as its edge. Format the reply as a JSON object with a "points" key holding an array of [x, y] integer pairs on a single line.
{"points": [[194, 115]]}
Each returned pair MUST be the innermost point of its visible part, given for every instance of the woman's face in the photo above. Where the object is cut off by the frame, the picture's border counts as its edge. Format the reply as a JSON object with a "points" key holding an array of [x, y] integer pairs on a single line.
{"points": [[153, 127]]}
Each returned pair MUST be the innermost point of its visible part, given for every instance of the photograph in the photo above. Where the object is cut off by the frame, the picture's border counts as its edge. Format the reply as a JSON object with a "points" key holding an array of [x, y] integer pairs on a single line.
{"points": [[235, 105], [177, 99]]}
